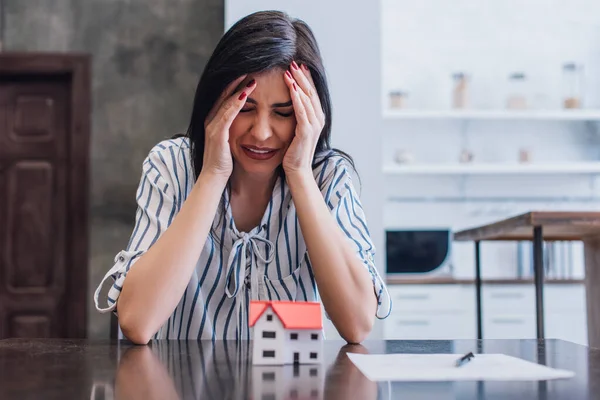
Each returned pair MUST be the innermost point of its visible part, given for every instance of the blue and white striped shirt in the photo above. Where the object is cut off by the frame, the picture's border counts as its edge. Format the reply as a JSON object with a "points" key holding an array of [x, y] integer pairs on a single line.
{"points": [[269, 262]]}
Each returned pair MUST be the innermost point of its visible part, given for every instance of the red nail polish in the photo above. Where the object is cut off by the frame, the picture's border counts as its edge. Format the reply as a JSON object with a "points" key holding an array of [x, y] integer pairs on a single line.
{"points": [[294, 85], [305, 67], [294, 65], [242, 96], [287, 73], [250, 83]]}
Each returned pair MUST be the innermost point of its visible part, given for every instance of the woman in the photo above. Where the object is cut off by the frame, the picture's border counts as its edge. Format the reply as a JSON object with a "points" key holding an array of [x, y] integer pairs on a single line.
{"points": [[251, 204]]}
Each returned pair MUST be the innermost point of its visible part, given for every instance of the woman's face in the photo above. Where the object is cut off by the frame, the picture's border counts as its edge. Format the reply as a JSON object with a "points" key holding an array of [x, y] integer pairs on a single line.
{"points": [[263, 130]]}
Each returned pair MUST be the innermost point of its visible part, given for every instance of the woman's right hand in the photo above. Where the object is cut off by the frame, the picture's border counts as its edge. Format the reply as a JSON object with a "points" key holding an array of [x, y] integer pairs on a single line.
{"points": [[217, 154]]}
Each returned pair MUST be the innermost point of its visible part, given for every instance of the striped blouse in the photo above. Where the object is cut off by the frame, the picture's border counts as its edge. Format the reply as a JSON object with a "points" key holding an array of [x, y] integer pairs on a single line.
{"points": [[269, 262]]}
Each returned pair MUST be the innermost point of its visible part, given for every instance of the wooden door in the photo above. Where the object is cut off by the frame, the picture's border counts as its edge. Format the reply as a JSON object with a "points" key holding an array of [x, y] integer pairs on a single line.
{"points": [[43, 278]]}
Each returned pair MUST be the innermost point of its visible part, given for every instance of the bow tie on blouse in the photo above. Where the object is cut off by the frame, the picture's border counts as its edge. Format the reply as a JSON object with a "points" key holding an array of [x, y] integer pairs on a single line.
{"points": [[237, 270]]}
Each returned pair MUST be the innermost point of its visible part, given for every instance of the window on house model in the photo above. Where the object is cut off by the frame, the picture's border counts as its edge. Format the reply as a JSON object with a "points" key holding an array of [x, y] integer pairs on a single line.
{"points": [[268, 335], [313, 372], [313, 356], [314, 393], [269, 317], [314, 336], [294, 393], [293, 336], [269, 353]]}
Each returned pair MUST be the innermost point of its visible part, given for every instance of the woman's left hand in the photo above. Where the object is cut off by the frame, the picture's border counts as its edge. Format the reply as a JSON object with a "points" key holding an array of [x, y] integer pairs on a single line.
{"points": [[310, 120]]}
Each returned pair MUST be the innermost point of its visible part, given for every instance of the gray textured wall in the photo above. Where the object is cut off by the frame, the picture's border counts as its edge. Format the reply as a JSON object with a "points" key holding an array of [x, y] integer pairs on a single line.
{"points": [[147, 58]]}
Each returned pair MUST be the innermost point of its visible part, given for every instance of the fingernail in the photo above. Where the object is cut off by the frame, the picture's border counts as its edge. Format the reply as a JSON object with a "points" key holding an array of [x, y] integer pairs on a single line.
{"points": [[305, 67], [287, 73], [242, 96], [252, 82], [293, 84], [294, 65]]}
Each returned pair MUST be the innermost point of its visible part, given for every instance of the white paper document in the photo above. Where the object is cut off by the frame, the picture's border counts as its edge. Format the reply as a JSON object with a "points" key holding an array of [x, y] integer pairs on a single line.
{"points": [[441, 367]]}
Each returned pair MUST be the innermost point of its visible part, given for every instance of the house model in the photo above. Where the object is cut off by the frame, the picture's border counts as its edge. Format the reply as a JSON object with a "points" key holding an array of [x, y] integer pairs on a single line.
{"points": [[286, 332]]}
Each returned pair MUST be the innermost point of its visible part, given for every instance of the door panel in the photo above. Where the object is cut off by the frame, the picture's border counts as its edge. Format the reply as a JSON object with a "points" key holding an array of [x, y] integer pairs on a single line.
{"points": [[34, 121]]}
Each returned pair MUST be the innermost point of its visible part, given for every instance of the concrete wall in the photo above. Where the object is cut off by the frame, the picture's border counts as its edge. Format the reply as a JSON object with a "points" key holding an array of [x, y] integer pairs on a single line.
{"points": [[147, 58]]}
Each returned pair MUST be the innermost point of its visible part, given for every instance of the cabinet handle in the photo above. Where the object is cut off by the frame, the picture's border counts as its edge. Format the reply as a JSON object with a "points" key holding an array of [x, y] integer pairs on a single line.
{"points": [[507, 295], [508, 321], [413, 322], [416, 296]]}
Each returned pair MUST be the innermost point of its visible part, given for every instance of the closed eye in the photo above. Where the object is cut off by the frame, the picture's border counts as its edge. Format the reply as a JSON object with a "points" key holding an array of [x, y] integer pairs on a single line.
{"points": [[281, 114], [284, 114]]}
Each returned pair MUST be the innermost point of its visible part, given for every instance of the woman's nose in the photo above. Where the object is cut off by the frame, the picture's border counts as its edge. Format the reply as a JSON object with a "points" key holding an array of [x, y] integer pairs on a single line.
{"points": [[261, 130]]}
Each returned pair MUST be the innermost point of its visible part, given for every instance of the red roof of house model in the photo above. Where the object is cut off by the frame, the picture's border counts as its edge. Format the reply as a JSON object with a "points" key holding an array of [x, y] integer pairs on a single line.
{"points": [[292, 314]]}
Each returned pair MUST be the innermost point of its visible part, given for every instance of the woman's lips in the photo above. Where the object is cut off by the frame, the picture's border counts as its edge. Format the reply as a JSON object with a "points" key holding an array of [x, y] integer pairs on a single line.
{"points": [[259, 153]]}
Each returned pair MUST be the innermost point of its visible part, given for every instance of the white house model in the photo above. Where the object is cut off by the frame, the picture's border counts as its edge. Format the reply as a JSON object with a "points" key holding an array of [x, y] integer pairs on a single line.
{"points": [[286, 332]]}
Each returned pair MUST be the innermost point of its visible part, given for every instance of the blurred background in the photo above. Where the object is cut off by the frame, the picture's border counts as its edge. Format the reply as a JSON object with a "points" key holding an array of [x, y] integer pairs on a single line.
{"points": [[457, 114]]}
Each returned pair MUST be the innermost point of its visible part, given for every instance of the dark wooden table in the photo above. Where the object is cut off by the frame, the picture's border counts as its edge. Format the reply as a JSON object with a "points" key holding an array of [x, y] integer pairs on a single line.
{"points": [[79, 369], [540, 226]]}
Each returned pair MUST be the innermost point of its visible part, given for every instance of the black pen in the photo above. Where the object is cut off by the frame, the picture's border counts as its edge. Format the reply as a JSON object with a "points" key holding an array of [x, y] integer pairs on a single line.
{"points": [[464, 359]]}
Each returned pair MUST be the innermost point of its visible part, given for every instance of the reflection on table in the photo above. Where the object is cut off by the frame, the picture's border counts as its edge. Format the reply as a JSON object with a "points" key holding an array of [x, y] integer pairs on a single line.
{"points": [[223, 370], [81, 369]]}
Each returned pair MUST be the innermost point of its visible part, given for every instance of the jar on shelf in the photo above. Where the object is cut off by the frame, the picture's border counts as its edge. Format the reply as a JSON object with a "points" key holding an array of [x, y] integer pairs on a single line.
{"points": [[460, 91], [397, 99], [403, 156], [466, 156], [524, 155], [572, 85], [517, 91]]}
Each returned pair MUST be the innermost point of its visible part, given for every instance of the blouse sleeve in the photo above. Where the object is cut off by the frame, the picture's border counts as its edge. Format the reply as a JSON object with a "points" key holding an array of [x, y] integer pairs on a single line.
{"points": [[335, 183], [157, 204]]}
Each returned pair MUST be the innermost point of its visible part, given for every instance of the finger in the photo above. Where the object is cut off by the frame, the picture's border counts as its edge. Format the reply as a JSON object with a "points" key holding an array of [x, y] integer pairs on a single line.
{"points": [[308, 106], [232, 106], [314, 99], [304, 78], [302, 106], [306, 71], [226, 93]]}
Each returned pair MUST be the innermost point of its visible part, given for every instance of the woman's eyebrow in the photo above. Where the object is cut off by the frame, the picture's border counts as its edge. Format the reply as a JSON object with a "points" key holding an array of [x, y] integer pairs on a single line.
{"points": [[286, 104], [274, 105]]}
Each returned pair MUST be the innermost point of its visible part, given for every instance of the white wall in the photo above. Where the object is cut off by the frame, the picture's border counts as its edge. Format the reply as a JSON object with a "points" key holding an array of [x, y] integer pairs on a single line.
{"points": [[349, 39], [424, 42]]}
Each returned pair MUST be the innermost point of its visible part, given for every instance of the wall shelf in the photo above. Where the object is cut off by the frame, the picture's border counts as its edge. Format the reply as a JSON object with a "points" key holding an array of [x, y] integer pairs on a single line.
{"points": [[537, 115], [494, 169]]}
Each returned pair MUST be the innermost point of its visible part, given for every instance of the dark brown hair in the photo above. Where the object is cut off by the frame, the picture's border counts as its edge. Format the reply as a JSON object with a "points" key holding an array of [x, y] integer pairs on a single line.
{"points": [[259, 42]]}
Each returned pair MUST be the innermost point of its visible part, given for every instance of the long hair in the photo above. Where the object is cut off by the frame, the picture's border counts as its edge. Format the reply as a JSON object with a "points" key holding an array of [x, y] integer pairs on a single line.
{"points": [[259, 42]]}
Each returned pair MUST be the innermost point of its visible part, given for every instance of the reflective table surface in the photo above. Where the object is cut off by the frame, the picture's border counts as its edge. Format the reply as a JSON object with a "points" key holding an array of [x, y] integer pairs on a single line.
{"points": [[80, 369]]}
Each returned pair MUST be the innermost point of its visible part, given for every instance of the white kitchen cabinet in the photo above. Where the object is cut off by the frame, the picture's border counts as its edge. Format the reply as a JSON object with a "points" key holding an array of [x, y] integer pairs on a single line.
{"points": [[566, 315], [565, 298], [431, 312], [448, 312], [508, 311], [506, 325], [431, 298], [508, 298], [430, 326]]}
